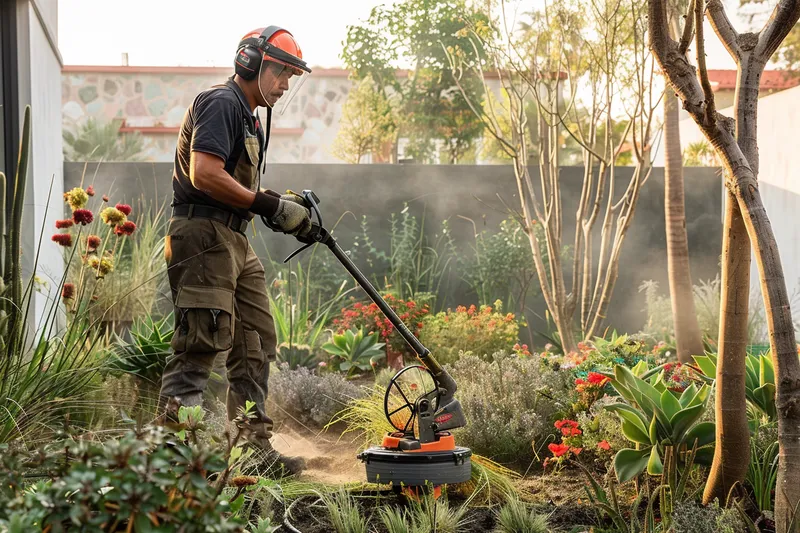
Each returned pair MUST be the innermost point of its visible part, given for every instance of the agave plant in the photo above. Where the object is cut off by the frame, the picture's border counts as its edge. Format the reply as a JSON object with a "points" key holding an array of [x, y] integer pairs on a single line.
{"points": [[354, 351], [146, 355], [658, 420], [759, 380], [297, 355]]}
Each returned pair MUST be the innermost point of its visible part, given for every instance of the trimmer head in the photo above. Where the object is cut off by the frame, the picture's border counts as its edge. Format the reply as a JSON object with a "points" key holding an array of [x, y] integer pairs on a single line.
{"points": [[418, 468]]}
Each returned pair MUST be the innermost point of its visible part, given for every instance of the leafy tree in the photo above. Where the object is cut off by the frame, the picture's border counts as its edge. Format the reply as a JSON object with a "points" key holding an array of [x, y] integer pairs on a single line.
{"points": [[420, 33], [95, 141], [368, 122]]}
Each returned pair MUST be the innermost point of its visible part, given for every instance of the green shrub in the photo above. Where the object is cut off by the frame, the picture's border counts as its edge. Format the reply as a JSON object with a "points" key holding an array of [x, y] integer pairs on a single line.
{"points": [[311, 398], [144, 479], [509, 402], [691, 517], [516, 517], [345, 514], [481, 331], [601, 425]]}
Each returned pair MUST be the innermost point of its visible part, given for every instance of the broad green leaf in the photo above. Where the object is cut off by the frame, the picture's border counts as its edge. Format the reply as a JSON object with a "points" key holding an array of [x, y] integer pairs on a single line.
{"points": [[633, 433], [341, 342], [654, 465], [688, 395], [705, 364], [628, 412], [653, 431], [640, 368], [345, 366], [629, 463], [766, 370], [704, 433], [701, 396], [334, 349], [684, 420], [764, 397], [350, 337], [669, 403]]}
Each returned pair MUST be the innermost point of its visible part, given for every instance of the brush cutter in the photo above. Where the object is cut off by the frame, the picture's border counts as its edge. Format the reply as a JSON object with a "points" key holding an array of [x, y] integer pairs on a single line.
{"points": [[419, 401]]}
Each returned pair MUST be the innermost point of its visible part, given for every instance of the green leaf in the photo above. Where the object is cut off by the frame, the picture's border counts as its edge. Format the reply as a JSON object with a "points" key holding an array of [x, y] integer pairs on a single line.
{"points": [[766, 370], [633, 433], [640, 368], [704, 456], [334, 349], [669, 403], [704, 433], [630, 413], [705, 364], [683, 420], [688, 395], [345, 366], [653, 432], [764, 398], [629, 463], [350, 337], [341, 342], [654, 465]]}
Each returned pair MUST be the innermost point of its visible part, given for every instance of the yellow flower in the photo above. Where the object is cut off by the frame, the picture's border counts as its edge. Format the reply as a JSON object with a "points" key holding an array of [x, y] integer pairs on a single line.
{"points": [[113, 216], [76, 198], [101, 266]]}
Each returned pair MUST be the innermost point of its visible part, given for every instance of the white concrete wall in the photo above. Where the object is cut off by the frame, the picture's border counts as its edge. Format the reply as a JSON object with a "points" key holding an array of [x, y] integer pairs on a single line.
{"points": [[45, 175], [779, 175]]}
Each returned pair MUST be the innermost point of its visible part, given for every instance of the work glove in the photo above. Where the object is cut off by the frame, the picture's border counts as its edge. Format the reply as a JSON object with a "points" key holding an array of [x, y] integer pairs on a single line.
{"points": [[292, 218]]}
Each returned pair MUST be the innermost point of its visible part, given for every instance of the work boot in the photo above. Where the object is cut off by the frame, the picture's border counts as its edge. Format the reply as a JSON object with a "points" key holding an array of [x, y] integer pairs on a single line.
{"points": [[266, 460]]}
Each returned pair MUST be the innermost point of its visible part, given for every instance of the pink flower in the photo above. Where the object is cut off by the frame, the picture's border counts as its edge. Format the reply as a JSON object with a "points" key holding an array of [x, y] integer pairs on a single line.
{"points": [[82, 216], [125, 208], [604, 445], [105, 198], [64, 223], [90, 190], [63, 239]]}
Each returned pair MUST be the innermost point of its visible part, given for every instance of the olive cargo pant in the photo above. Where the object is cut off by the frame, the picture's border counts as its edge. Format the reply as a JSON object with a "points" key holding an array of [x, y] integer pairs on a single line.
{"points": [[221, 309]]}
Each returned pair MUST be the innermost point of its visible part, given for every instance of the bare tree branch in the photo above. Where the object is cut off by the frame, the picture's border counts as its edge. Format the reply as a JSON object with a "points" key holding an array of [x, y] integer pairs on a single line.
{"points": [[708, 92], [724, 29], [688, 30], [780, 23]]}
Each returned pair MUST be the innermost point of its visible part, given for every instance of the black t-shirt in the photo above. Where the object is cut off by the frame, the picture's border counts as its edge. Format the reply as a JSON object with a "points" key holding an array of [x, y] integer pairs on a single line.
{"points": [[215, 123]]}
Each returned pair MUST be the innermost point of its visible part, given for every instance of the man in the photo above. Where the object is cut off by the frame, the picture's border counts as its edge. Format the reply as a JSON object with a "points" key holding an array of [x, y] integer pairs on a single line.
{"points": [[217, 282]]}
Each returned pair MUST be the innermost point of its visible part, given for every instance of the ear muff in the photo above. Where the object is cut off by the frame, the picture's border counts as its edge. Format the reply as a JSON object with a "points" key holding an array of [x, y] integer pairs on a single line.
{"points": [[250, 54]]}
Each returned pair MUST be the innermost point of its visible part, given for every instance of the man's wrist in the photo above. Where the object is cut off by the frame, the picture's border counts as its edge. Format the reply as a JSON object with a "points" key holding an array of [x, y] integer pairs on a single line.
{"points": [[265, 204]]}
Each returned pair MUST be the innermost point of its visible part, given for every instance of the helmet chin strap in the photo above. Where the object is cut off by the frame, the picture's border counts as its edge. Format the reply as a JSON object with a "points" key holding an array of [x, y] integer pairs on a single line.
{"points": [[260, 68]]}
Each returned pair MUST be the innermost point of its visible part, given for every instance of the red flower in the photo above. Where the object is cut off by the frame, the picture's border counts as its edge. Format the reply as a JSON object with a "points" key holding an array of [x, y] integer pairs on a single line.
{"points": [[105, 198], [604, 445], [668, 367], [64, 223], [126, 228], [82, 216], [562, 423], [558, 449], [597, 379], [576, 451], [90, 190], [93, 242], [125, 208], [570, 431], [68, 291], [63, 239]]}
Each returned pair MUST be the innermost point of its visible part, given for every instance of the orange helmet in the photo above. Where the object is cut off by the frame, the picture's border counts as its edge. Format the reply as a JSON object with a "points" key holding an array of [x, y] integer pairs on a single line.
{"points": [[272, 43]]}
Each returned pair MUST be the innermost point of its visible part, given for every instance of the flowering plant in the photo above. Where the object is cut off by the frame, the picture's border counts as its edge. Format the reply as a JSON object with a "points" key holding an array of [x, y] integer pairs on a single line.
{"points": [[570, 445], [359, 315], [481, 330], [96, 253], [591, 388]]}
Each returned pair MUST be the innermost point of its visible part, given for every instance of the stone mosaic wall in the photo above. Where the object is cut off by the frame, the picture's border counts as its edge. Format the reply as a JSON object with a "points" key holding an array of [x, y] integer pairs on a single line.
{"points": [[158, 98]]}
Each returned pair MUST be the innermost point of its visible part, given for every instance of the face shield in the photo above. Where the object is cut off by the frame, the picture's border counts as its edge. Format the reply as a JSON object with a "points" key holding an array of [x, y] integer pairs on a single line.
{"points": [[281, 77]]}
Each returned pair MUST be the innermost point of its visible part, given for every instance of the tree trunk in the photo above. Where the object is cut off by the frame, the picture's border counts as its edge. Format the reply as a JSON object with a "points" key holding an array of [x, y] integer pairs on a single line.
{"points": [[732, 452], [687, 329]]}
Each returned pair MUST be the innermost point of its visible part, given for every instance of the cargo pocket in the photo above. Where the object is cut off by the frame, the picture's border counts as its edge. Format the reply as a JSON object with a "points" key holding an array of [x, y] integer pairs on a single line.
{"points": [[203, 319], [255, 353]]}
